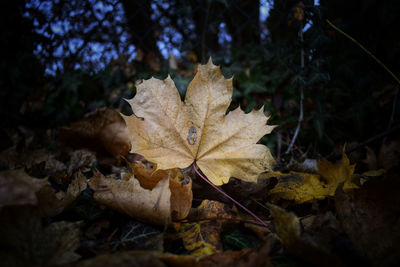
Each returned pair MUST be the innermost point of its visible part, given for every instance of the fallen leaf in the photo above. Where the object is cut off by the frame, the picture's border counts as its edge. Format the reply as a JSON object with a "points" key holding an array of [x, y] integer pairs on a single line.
{"points": [[370, 217], [52, 203], [370, 159], [288, 229], [25, 242], [12, 159], [334, 174], [18, 188], [139, 258], [96, 228], [203, 237], [103, 131], [287, 225], [173, 134], [127, 196], [243, 258], [54, 166], [306, 187], [389, 155], [140, 236], [246, 257], [181, 191], [82, 160], [299, 187]]}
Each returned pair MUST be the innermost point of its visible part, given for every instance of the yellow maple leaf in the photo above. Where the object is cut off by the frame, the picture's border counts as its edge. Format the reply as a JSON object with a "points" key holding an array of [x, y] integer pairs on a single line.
{"points": [[203, 237], [306, 187], [174, 134]]}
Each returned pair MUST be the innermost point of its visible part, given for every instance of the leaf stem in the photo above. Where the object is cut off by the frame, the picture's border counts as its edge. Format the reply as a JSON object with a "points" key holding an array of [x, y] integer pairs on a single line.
{"points": [[228, 196]]}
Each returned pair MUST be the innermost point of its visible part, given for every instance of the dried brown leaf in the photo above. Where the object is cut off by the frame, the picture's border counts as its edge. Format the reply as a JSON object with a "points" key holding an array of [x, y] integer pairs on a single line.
{"points": [[18, 188], [127, 196], [288, 228], [52, 203], [370, 217], [103, 131], [25, 242], [181, 191]]}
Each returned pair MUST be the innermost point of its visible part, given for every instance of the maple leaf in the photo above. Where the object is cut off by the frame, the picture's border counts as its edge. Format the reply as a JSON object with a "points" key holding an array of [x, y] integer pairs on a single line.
{"points": [[306, 187], [174, 134], [203, 237]]}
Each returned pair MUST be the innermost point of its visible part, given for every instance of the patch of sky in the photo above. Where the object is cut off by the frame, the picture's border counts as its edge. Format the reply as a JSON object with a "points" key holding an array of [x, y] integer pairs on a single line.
{"points": [[307, 26], [265, 7], [131, 52], [75, 44], [59, 52], [100, 9], [264, 10]]}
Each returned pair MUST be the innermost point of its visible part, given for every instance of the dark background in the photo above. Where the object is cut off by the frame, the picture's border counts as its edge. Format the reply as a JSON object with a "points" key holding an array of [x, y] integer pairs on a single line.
{"points": [[63, 59]]}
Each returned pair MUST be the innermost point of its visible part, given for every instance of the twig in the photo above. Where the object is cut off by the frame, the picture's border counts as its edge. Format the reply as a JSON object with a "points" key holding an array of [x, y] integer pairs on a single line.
{"points": [[299, 121], [334, 156], [228, 196], [221, 219], [203, 34], [393, 110], [296, 132], [365, 50]]}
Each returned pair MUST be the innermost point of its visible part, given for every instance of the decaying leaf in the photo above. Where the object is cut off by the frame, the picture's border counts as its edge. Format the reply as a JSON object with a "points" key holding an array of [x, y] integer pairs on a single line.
{"points": [[25, 242], [82, 160], [203, 237], [11, 158], [370, 217], [243, 258], [181, 192], [287, 225], [139, 236], [334, 174], [52, 203], [173, 134], [288, 228], [18, 188], [246, 257], [127, 196], [389, 155], [305, 187], [103, 131]]}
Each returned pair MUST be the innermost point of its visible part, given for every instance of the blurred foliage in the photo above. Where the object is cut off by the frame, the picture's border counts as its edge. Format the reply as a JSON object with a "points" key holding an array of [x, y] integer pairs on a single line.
{"points": [[347, 96]]}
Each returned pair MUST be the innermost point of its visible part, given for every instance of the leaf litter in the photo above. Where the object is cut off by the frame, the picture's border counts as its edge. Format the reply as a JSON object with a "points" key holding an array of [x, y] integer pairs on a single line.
{"points": [[72, 206]]}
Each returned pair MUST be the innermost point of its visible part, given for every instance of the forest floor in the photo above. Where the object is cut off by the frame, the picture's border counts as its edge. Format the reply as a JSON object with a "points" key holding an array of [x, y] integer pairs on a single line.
{"points": [[58, 207]]}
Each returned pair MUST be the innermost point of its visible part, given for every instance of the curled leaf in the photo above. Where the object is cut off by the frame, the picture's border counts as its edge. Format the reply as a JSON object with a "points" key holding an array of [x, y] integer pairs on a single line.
{"points": [[127, 196], [103, 131], [181, 191]]}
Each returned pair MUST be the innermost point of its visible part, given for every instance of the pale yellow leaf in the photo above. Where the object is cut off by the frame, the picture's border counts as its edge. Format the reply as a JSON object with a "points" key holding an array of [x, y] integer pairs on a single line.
{"points": [[174, 134]]}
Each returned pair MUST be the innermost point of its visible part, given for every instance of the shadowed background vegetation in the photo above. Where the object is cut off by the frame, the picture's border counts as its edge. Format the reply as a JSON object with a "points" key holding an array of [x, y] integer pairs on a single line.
{"points": [[63, 59]]}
